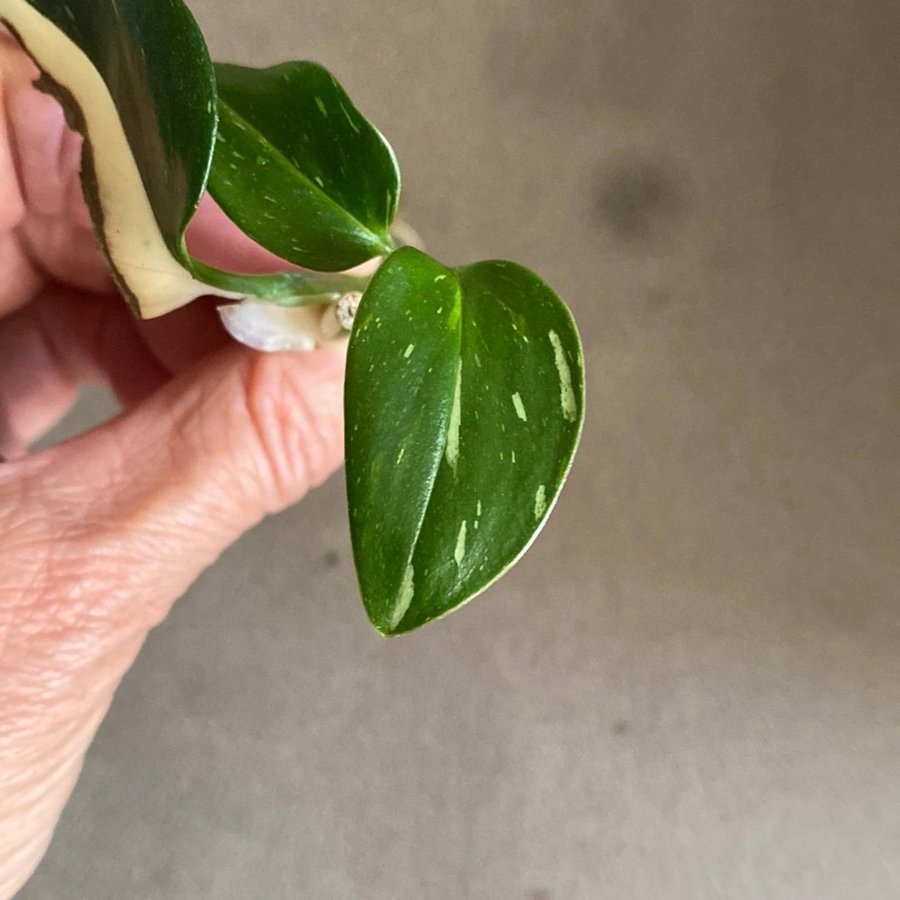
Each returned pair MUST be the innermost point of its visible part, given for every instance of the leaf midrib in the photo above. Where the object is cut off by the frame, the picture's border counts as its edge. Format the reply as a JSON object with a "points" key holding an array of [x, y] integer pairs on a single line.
{"points": [[440, 460], [293, 172], [459, 278]]}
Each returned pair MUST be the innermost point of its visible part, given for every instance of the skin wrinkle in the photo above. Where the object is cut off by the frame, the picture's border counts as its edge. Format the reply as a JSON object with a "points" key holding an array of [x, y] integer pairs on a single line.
{"points": [[100, 535], [50, 727], [65, 732], [54, 695], [147, 504], [265, 411], [25, 841], [16, 544]]}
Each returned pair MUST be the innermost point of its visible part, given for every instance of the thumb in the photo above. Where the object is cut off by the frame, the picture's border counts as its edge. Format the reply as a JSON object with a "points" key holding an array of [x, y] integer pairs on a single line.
{"points": [[168, 486]]}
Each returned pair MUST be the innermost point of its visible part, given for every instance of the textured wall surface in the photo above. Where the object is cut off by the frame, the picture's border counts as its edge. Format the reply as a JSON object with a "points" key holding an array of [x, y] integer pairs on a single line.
{"points": [[690, 689]]}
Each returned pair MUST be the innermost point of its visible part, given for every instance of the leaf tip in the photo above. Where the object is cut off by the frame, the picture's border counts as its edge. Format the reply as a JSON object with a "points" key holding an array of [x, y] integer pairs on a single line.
{"points": [[387, 621]]}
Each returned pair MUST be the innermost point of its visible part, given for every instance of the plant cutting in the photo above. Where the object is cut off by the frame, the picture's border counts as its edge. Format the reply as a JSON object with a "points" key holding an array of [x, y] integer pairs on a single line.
{"points": [[464, 394]]}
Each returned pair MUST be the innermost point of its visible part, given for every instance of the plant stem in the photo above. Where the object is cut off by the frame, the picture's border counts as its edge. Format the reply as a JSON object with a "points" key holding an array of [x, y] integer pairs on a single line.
{"points": [[282, 288]]}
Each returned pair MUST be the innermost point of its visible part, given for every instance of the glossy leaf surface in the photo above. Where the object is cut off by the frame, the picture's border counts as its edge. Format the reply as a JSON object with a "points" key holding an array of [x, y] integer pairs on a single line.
{"points": [[153, 59], [464, 404], [300, 169]]}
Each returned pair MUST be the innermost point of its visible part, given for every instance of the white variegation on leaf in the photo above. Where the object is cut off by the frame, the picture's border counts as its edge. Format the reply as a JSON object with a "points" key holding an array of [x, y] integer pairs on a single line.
{"points": [[156, 280], [151, 276]]}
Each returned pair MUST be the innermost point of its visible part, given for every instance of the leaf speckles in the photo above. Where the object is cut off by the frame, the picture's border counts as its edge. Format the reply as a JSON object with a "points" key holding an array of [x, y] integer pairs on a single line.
{"points": [[404, 598], [460, 550], [566, 391], [452, 452], [477, 412], [519, 406], [540, 503]]}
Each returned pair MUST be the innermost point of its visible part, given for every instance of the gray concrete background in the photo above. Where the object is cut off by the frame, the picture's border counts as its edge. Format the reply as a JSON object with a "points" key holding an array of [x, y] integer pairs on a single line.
{"points": [[690, 688]]}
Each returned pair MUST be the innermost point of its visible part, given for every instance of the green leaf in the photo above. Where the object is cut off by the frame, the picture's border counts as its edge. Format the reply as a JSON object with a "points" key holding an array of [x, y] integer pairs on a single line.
{"points": [[464, 404], [153, 64], [300, 169]]}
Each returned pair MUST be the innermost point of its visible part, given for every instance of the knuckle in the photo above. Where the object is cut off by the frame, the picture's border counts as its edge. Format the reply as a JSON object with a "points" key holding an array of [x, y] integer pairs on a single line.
{"points": [[292, 427]]}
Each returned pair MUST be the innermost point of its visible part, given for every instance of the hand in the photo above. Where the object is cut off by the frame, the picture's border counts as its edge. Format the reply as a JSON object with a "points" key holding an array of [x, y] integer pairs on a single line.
{"points": [[99, 536]]}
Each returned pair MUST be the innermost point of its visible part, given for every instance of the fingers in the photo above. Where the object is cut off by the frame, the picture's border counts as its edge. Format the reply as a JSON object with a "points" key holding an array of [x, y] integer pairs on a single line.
{"points": [[156, 495], [100, 536], [183, 337], [63, 339], [216, 240]]}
